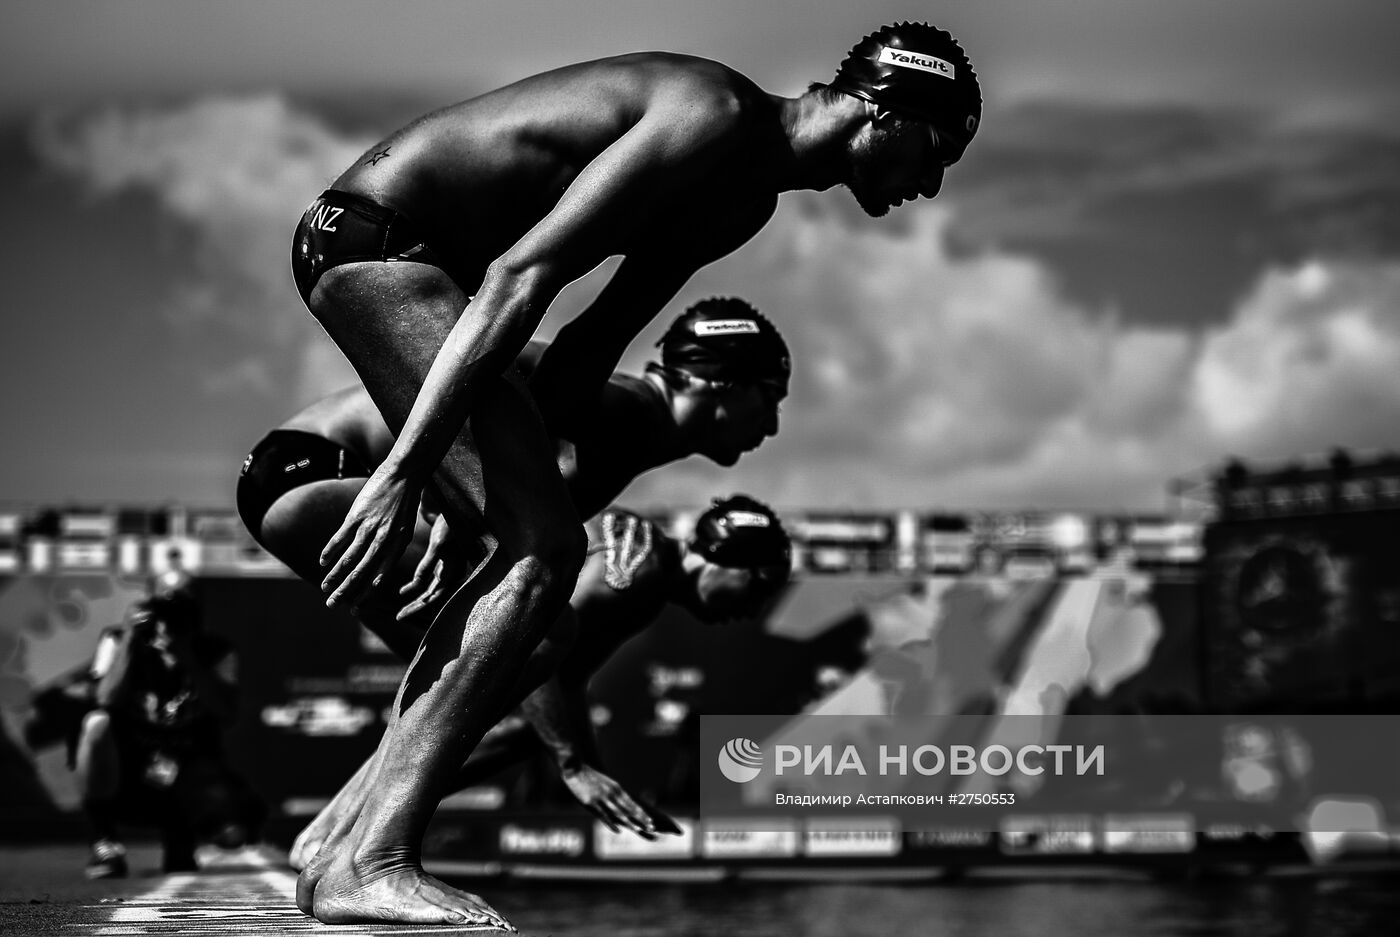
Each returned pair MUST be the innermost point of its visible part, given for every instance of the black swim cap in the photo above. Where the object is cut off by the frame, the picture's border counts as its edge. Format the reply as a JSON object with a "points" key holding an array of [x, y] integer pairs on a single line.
{"points": [[740, 532], [724, 338], [919, 70]]}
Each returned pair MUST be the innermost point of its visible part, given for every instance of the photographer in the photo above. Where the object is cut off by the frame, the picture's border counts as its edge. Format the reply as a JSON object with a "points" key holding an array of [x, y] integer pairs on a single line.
{"points": [[151, 751]]}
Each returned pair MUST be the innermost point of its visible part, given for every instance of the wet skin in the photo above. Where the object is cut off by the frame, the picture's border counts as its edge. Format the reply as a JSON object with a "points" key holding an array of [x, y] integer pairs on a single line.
{"points": [[669, 161]]}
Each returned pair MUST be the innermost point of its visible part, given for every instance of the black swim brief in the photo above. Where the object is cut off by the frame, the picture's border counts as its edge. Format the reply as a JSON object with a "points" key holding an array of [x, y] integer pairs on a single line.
{"points": [[286, 459], [341, 228]]}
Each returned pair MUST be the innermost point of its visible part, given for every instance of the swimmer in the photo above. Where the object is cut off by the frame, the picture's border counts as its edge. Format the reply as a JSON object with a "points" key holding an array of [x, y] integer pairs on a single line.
{"points": [[723, 371], [431, 261], [735, 562]]}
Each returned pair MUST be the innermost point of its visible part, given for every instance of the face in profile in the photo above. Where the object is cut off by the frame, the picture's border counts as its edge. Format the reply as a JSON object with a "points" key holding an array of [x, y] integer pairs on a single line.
{"points": [[746, 413], [894, 160], [723, 594]]}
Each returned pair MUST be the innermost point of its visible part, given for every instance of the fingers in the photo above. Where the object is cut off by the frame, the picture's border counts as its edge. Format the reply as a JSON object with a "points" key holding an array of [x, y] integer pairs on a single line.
{"points": [[631, 814], [420, 574], [425, 598], [617, 809], [411, 609], [342, 539], [601, 811], [435, 591], [350, 559], [662, 822], [435, 588], [367, 560]]}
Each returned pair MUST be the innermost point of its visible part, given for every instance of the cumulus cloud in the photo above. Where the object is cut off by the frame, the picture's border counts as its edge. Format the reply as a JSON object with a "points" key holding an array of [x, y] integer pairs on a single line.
{"points": [[1170, 213], [935, 363], [1311, 359], [233, 173], [929, 378]]}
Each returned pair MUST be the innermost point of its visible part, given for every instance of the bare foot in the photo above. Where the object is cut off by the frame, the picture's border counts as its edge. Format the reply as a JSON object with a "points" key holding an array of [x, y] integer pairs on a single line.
{"points": [[307, 844], [399, 893], [310, 840], [334, 819], [309, 878], [321, 840]]}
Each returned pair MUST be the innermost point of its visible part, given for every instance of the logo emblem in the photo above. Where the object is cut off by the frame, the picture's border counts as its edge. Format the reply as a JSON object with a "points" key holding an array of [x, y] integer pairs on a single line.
{"points": [[902, 58], [727, 327], [740, 760]]}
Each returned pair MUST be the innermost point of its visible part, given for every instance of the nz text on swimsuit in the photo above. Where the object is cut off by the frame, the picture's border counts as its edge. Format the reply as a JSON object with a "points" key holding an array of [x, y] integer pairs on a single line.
{"points": [[324, 216]]}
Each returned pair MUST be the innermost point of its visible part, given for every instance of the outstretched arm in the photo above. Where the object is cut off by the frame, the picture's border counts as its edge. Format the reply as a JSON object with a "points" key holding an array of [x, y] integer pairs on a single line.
{"points": [[558, 711], [573, 369]]}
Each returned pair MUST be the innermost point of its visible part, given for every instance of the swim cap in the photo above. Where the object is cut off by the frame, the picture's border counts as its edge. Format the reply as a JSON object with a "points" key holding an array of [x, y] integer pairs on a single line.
{"points": [[920, 70], [724, 338], [740, 532]]}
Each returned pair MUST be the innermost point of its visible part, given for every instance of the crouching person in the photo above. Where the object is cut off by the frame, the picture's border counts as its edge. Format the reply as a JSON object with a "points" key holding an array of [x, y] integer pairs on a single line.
{"points": [[150, 753]]}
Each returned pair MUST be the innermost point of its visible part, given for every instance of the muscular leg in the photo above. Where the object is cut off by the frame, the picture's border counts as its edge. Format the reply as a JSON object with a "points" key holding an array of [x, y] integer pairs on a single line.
{"points": [[390, 319], [336, 818], [295, 528]]}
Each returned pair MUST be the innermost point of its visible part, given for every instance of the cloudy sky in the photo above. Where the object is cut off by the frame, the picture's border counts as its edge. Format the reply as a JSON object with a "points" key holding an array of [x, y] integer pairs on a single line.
{"points": [[1176, 238]]}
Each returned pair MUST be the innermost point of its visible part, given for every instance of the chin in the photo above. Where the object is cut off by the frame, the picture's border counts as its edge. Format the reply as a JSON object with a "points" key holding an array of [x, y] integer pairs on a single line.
{"points": [[724, 459], [872, 208]]}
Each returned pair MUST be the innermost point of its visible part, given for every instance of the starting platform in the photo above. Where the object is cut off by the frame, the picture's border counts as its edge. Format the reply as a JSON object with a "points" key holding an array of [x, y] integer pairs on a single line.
{"points": [[248, 892]]}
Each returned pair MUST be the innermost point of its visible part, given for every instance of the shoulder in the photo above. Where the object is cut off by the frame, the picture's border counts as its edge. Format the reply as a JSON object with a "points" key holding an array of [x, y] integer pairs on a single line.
{"points": [[630, 399], [625, 405], [707, 95]]}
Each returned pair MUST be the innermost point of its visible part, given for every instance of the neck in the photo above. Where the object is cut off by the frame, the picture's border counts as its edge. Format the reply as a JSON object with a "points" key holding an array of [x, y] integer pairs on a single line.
{"points": [[672, 441], [817, 130]]}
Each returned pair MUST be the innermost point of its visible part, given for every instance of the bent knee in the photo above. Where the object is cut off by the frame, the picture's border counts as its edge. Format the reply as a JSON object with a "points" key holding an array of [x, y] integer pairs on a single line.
{"points": [[552, 562]]}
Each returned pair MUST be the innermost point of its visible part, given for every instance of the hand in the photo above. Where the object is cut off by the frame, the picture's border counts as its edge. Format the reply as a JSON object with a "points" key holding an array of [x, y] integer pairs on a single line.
{"points": [[439, 572], [609, 801], [372, 537]]}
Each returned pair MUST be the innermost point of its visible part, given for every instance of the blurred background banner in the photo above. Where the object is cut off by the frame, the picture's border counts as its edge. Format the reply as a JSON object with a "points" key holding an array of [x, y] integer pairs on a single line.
{"points": [[1270, 592]]}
